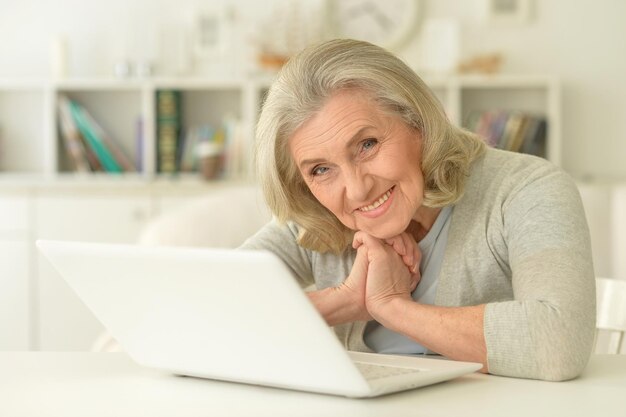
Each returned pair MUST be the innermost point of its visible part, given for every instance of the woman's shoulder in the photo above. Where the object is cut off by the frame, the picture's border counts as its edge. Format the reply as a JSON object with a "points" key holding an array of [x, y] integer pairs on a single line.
{"points": [[273, 234], [500, 175], [497, 160], [506, 169]]}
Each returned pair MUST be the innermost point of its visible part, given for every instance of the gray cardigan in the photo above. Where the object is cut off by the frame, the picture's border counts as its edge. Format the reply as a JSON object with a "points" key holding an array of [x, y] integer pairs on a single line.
{"points": [[519, 243]]}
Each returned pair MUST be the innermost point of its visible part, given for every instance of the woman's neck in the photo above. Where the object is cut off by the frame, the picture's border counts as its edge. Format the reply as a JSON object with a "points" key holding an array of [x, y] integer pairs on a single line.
{"points": [[422, 222]]}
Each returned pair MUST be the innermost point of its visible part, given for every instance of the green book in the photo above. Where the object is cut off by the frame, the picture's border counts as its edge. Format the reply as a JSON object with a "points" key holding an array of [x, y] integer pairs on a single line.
{"points": [[168, 118], [93, 139]]}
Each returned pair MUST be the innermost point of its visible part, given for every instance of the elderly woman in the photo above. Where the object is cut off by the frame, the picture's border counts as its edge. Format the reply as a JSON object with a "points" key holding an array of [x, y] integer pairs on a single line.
{"points": [[374, 190]]}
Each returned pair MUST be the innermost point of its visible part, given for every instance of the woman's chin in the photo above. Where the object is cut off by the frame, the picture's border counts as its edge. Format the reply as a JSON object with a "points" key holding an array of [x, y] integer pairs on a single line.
{"points": [[383, 234]]}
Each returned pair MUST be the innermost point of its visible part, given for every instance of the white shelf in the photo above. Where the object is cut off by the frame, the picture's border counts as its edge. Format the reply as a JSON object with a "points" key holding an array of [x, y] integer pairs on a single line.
{"points": [[28, 120], [22, 84], [93, 84], [534, 94], [506, 81]]}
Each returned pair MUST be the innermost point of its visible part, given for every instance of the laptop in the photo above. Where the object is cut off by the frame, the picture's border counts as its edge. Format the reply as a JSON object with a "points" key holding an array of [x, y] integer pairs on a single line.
{"points": [[229, 315]]}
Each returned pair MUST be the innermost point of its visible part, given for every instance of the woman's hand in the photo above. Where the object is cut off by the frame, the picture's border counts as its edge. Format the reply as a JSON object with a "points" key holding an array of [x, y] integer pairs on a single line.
{"points": [[349, 301], [354, 286], [388, 274], [345, 303], [406, 247]]}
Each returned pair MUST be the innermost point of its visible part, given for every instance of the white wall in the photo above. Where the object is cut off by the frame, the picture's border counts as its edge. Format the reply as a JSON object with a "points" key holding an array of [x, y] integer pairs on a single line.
{"points": [[582, 41], [579, 40]]}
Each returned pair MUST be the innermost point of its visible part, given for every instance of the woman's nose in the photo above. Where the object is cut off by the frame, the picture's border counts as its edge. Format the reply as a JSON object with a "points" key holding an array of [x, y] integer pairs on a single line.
{"points": [[358, 186]]}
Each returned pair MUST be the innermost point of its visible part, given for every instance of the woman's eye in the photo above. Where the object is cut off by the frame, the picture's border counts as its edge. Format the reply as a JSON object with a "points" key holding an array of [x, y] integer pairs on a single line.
{"points": [[368, 144], [319, 170]]}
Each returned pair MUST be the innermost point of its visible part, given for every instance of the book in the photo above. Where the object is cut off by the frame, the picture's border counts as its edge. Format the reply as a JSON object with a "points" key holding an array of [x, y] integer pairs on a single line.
{"points": [[71, 136], [498, 126], [472, 119], [139, 144], [92, 158], [194, 136], [235, 151], [168, 119], [535, 137], [482, 126], [510, 130], [517, 139], [118, 154], [93, 139]]}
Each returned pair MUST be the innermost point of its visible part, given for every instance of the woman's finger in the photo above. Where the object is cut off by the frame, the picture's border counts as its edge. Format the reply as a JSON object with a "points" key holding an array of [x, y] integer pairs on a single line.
{"points": [[357, 240], [405, 245], [398, 244], [417, 256], [409, 244]]}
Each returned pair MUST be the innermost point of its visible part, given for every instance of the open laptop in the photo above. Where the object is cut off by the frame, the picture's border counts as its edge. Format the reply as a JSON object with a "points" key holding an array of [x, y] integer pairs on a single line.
{"points": [[231, 315]]}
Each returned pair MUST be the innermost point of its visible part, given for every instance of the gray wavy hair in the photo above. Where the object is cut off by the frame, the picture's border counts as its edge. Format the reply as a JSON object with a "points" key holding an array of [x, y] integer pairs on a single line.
{"points": [[302, 88]]}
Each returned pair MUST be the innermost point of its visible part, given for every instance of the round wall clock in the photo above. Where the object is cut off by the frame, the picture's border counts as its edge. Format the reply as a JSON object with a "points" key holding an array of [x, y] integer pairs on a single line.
{"points": [[387, 23]]}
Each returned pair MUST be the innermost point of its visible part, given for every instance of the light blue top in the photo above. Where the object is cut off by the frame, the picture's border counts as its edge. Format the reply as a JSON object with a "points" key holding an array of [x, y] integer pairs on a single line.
{"points": [[433, 246]]}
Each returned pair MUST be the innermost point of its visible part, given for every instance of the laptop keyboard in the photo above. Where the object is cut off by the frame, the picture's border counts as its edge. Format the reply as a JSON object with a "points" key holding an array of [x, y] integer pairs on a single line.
{"points": [[372, 371]]}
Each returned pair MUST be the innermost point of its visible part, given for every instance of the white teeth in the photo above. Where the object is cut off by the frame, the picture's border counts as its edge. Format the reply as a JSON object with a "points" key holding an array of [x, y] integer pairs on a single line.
{"points": [[377, 203]]}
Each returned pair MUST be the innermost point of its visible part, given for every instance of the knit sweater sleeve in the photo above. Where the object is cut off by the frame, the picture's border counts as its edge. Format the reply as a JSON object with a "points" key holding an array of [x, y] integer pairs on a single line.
{"points": [[282, 240], [547, 330]]}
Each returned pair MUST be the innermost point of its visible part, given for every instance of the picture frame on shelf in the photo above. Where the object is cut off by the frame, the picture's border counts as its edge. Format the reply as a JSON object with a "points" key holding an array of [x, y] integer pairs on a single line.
{"points": [[508, 12], [210, 32]]}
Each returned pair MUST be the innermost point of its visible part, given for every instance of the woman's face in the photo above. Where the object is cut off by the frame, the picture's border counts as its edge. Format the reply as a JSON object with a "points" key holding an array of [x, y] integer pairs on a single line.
{"points": [[362, 164]]}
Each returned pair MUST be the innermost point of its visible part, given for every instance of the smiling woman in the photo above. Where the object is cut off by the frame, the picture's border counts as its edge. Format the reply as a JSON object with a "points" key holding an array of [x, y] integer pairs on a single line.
{"points": [[362, 164], [417, 238]]}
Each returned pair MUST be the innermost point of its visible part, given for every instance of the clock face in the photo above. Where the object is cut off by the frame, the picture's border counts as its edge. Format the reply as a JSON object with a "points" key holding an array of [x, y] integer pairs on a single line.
{"points": [[388, 23]]}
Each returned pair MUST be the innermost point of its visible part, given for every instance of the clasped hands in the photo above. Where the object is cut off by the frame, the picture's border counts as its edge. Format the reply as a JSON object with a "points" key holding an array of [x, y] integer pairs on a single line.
{"points": [[383, 270]]}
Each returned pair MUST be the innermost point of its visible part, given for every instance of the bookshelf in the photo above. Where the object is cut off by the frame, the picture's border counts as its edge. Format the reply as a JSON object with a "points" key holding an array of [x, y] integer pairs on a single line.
{"points": [[23, 126], [31, 144], [537, 95]]}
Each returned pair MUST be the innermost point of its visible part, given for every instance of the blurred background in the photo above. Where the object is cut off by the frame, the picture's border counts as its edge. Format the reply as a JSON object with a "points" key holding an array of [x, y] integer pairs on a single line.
{"points": [[579, 41], [114, 114]]}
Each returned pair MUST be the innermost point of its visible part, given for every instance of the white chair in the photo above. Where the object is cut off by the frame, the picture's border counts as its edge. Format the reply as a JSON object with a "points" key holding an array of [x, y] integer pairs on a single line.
{"points": [[611, 312], [222, 219]]}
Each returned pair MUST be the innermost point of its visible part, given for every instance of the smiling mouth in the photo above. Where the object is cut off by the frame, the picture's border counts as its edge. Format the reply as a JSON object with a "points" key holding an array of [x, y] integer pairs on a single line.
{"points": [[377, 203]]}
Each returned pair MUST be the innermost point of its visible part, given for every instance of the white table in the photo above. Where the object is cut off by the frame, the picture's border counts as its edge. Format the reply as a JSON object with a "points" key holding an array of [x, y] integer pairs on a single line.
{"points": [[110, 384]]}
